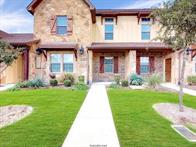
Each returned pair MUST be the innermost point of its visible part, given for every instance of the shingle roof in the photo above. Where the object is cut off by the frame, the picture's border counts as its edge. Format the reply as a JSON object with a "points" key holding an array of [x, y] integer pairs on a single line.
{"points": [[59, 45], [128, 45], [17, 39]]}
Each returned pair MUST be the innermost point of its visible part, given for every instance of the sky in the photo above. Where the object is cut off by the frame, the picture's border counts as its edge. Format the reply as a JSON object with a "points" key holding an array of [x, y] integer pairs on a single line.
{"points": [[14, 17]]}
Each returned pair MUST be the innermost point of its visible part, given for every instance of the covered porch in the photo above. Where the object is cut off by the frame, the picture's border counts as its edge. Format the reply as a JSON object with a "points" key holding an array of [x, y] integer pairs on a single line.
{"points": [[109, 59]]}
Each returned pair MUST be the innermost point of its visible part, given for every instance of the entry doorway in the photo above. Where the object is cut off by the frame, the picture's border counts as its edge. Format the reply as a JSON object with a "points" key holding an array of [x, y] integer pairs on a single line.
{"points": [[168, 68]]}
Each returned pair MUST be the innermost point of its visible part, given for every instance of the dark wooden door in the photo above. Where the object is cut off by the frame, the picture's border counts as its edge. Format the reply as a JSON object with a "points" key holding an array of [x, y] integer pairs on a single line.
{"points": [[168, 70]]}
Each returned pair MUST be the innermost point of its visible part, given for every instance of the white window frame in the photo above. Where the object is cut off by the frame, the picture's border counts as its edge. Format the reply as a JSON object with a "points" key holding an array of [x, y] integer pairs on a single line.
{"points": [[148, 65], [68, 62], [146, 23], [108, 64], [61, 62], [108, 23], [61, 26]]}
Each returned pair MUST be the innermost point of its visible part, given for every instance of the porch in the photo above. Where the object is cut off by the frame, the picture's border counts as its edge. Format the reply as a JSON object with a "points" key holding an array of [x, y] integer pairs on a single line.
{"points": [[109, 59]]}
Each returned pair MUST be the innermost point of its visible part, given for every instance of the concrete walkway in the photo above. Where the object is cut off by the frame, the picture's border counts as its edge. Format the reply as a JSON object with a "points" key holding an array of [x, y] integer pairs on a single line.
{"points": [[6, 87], [177, 88], [94, 125]]}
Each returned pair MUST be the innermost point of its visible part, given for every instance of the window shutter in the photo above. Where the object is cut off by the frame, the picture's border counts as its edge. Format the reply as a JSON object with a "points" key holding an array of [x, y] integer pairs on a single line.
{"points": [[53, 25], [138, 65], [152, 64], [115, 64], [101, 66], [69, 25]]}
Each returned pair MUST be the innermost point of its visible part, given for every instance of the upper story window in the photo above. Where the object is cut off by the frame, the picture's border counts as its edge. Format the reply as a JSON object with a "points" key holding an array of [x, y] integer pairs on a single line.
{"points": [[145, 29], [109, 28], [144, 65], [61, 25]]}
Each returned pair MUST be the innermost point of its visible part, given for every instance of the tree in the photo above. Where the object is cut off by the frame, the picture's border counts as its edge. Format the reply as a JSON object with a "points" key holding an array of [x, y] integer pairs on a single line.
{"points": [[8, 54], [177, 19]]}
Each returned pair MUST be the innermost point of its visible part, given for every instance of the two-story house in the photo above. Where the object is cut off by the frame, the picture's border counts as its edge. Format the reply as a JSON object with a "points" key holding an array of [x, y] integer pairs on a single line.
{"points": [[72, 36]]}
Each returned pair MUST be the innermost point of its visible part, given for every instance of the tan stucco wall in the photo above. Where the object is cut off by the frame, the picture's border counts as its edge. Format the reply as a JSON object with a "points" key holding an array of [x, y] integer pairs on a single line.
{"points": [[82, 27], [127, 29], [14, 73]]}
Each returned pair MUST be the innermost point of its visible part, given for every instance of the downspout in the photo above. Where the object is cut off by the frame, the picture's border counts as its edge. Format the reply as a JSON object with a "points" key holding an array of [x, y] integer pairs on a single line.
{"points": [[26, 64]]}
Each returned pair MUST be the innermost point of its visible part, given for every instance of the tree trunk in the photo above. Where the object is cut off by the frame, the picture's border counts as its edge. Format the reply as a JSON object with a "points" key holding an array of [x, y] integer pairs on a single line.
{"points": [[181, 81]]}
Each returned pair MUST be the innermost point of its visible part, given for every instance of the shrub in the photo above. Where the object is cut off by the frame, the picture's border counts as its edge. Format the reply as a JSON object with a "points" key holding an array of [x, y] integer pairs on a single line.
{"points": [[69, 77], [81, 79], [153, 80], [125, 83], [36, 83], [136, 80], [114, 86], [191, 80], [15, 88], [117, 79], [22, 84], [53, 82], [81, 86], [67, 83]]}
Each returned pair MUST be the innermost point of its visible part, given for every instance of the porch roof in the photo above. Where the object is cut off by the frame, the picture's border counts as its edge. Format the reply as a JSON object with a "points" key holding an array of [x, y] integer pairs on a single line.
{"points": [[118, 46], [59, 45]]}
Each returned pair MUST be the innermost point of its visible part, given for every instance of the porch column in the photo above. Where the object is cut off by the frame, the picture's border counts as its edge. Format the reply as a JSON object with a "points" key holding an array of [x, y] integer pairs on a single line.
{"points": [[131, 63], [90, 58]]}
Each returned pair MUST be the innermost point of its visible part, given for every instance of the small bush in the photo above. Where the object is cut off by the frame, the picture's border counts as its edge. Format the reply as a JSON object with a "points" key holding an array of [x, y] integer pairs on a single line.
{"points": [[125, 83], [81, 86], [15, 88], [67, 83], [69, 77], [191, 80], [154, 80], [81, 79], [136, 80], [114, 86], [37, 83], [53, 82], [117, 79]]}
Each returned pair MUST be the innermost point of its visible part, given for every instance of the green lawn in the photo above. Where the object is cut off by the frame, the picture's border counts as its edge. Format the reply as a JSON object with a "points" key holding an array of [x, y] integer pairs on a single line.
{"points": [[48, 125], [138, 125]]}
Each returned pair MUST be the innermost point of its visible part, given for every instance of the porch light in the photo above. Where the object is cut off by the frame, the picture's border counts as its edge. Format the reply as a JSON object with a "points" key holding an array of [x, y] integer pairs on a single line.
{"points": [[81, 50], [188, 51], [39, 51]]}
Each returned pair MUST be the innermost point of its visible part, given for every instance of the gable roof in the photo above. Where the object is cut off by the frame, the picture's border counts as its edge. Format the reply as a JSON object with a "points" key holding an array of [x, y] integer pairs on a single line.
{"points": [[32, 6]]}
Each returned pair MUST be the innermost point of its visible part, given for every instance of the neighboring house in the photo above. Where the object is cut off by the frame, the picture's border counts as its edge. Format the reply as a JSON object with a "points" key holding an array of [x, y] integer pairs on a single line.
{"points": [[72, 36]]}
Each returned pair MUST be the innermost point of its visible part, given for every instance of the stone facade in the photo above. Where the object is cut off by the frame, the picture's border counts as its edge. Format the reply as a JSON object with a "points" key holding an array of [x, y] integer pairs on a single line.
{"points": [[100, 77], [82, 26]]}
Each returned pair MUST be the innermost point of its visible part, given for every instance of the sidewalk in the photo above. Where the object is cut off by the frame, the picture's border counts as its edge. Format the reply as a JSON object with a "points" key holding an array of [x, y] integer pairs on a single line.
{"points": [[175, 87], [93, 126], [6, 87]]}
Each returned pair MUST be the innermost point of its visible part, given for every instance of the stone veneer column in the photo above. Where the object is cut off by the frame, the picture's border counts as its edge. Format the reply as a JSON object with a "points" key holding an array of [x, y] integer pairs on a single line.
{"points": [[130, 63], [90, 60]]}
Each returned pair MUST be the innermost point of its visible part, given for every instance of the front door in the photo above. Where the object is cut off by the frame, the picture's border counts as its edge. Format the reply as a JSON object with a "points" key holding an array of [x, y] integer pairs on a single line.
{"points": [[168, 70]]}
